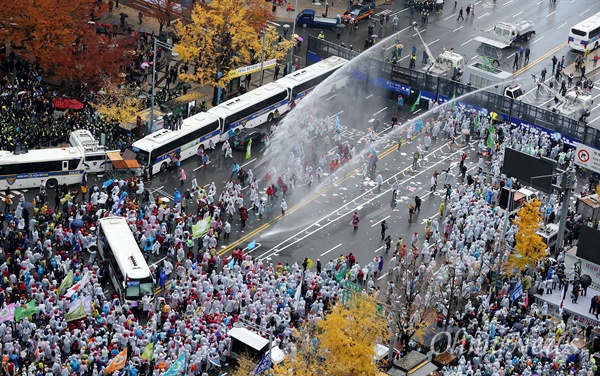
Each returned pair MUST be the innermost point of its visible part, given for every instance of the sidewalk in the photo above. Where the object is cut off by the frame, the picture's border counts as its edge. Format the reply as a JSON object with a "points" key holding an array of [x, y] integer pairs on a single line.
{"points": [[589, 66], [282, 15]]}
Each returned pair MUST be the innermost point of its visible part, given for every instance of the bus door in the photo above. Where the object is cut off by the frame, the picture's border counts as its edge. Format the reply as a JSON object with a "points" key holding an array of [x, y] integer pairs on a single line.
{"points": [[65, 165]]}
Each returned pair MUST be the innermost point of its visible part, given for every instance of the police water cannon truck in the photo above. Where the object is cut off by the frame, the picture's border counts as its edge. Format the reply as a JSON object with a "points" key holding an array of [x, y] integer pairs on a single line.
{"points": [[448, 64], [575, 104]]}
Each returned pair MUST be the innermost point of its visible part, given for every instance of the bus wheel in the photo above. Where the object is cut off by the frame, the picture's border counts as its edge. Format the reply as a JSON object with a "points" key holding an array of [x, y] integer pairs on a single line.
{"points": [[52, 184], [163, 167], [270, 117]]}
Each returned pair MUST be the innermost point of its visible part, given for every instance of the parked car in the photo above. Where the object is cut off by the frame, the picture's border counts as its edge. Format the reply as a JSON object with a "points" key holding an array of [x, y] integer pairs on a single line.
{"points": [[240, 139], [358, 13]]}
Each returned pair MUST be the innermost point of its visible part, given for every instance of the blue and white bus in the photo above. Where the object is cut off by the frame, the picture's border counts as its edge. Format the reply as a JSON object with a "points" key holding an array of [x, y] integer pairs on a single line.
{"points": [[53, 167], [301, 82], [158, 149], [586, 34], [252, 109]]}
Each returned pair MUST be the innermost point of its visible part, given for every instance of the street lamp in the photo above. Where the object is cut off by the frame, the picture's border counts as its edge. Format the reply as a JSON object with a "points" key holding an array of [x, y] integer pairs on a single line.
{"points": [[169, 48]]}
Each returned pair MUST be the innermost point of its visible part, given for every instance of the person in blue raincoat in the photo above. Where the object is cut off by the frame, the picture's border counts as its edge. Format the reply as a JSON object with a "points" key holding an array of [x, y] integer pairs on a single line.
{"points": [[400, 101], [177, 196]]}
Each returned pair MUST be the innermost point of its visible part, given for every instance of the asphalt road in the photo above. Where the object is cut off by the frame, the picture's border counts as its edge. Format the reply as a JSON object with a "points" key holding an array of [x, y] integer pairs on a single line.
{"points": [[316, 224]]}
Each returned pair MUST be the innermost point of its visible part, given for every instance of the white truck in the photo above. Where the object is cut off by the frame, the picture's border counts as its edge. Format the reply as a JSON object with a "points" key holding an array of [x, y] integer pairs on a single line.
{"points": [[448, 64], [492, 79], [573, 104], [505, 34]]}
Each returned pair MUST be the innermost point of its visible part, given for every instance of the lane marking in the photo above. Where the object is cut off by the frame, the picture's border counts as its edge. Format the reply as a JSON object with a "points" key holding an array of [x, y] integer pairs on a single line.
{"points": [[458, 28], [326, 252], [561, 26], [450, 16], [378, 222], [250, 161], [505, 4], [550, 14], [369, 96], [467, 42], [379, 249], [484, 15], [437, 40], [383, 109], [422, 31], [537, 40], [539, 59], [517, 14], [584, 12], [382, 277]]}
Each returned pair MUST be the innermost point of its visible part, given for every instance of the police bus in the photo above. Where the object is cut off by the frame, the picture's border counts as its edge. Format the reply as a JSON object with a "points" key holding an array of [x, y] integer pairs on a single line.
{"points": [[586, 34], [52, 167], [95, 159], [129, 272], [159, 149]]}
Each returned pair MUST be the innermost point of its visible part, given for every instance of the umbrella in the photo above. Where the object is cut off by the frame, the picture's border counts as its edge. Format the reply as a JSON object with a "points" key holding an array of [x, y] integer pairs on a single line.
{"points": [[287, 26], [340, 26], [144, 31], [21, 92], [105, 25], [298, 38], [374, 36], [4, 95], [123, 15], [77, 222], [28, 205], [74, 104], [91, 22], [439, 1], [144, 65], [518, 326]]}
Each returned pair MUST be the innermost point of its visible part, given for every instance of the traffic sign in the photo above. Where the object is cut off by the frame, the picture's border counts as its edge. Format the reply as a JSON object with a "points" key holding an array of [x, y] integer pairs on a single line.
{"points": [[587, 157]]}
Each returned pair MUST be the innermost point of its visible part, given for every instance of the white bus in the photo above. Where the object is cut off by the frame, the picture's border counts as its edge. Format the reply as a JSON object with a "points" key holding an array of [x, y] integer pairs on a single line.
{"points": [[586, 34], [55, 167], [157, 150], [303, 81], [251, 109], [95, 158], [129, 271]]}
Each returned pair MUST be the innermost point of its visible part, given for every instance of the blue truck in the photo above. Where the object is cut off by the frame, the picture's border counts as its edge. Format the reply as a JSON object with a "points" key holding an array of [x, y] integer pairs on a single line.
{"points": [[308, 17]]}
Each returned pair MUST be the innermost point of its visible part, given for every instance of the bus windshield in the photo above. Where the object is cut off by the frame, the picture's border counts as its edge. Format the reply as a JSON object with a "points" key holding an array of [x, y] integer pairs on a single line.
{"points": [[137, 289], [143, 157]]}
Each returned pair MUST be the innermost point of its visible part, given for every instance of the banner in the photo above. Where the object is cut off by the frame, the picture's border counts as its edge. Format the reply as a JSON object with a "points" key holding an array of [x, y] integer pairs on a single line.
{"points": [[416, 104], [86, 302], [7, 313], [201, 228], [77, 313], [26, 310], [234, 73], [78, 286], [177, 368], [118, 362], [66, 282], [263, 365], [148, 352], [249, 150], [517, 292]]}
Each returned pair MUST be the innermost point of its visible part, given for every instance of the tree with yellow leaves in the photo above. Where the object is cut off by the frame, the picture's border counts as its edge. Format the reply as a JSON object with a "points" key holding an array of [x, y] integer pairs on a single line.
{"points": [[118, 101], [529, 247], [222, 37], [343, 343]]}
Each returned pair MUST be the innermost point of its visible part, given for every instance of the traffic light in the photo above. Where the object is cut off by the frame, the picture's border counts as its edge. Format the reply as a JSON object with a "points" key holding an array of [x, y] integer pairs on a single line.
{"points": [[569, 183]]}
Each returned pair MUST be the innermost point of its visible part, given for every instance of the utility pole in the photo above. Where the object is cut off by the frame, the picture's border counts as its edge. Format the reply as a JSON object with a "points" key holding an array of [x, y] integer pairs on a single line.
{"points": [[262, 58], [451, 298], [570, 176], [290, 69]]}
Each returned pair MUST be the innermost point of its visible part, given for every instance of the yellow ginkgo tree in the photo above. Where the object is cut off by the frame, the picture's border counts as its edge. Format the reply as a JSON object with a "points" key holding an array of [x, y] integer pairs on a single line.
{"points": [[343, 343], [222, 37], [529, 246]]}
